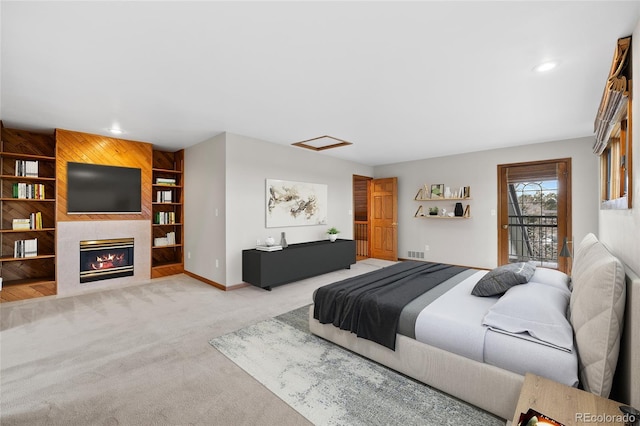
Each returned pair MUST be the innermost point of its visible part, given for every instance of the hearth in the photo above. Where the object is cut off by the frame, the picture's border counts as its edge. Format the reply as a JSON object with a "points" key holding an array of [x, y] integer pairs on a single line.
{"points": [[105, 259]]}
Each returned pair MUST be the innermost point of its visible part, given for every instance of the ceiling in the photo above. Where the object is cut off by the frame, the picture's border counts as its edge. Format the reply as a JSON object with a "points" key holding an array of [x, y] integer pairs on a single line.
{"points": [[400, 80]]}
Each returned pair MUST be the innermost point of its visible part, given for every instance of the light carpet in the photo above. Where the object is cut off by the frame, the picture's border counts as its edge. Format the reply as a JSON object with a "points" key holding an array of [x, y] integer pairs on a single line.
{"points": [[332, 386]]}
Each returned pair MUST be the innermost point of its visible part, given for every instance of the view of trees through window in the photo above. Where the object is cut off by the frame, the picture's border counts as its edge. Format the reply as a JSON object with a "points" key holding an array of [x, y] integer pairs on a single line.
{"points": [[533, 222]]}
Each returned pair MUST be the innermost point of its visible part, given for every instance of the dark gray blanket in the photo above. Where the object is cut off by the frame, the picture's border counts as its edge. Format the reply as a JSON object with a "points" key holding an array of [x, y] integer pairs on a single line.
{"points": [[370, 304]]}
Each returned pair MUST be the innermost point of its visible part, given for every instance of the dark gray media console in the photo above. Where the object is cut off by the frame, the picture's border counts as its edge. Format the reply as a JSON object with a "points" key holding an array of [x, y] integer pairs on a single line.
{"points": [[267, 269]]}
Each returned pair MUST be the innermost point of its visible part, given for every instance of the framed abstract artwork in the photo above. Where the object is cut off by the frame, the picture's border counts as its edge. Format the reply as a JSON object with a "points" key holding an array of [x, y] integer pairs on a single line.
{"points": [[291, 203]]}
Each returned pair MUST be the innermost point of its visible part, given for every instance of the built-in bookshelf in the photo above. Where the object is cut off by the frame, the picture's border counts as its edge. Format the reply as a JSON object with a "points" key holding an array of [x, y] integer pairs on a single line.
{"points": [[28, 207], [167, 233]]}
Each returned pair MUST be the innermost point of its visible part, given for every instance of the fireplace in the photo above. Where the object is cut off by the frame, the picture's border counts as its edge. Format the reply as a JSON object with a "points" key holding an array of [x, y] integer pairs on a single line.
{"points": [[105, 259]]}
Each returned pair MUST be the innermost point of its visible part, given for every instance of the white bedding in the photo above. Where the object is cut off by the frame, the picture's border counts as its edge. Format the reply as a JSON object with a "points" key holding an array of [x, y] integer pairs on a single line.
{"points": [[453, 322]]}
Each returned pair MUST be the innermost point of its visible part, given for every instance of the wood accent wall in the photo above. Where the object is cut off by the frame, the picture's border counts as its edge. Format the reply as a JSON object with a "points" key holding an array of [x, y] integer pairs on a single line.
{"points": [[95, 149]]}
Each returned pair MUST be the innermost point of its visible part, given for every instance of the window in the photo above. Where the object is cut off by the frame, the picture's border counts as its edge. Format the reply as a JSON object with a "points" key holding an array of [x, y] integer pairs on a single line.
{"points": [[613, 132]]}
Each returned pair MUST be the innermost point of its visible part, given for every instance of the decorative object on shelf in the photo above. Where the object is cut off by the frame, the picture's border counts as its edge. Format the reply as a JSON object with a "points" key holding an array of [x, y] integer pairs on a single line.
{"points": [[333, 234], [438, 192], [268, 248], [295, 203], [437, 189], [283, 240], [459, 211], [269, 241]]}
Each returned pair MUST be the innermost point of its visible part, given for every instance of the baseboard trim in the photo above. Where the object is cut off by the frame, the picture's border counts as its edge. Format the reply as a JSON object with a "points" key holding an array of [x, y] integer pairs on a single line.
{"points": [[215, 284]]}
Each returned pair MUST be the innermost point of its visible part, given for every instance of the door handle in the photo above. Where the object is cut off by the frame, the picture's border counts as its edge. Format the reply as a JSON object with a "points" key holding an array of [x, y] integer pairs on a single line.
{"points": [[505, 226], [394, 224]]}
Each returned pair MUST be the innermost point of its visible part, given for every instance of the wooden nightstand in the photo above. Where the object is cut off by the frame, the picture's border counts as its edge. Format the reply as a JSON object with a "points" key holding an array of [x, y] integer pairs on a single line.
{"points": [[567, 405]]}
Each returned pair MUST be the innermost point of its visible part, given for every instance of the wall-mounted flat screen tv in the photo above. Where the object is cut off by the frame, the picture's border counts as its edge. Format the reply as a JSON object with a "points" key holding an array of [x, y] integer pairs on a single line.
{"points": [[94, 188]]}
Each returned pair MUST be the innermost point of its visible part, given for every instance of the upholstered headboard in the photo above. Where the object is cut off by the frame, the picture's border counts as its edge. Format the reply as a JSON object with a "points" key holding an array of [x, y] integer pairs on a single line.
{"points": [[597, 314], [626, 383], [604, 310]]}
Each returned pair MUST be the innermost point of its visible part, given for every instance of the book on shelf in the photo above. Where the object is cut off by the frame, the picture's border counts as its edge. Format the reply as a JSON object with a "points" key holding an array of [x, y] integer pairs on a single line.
{"points": [[20, 224], [27, 168], [25, 248], [164, 196], [167, 240], [165, 181], [160, 241], [268, 248], [33, 222], [23, 190], [165, 218], [171, 238]]}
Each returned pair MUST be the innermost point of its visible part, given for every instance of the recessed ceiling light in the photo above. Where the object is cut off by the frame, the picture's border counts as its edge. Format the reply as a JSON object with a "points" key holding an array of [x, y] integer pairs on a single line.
{"points": [[546, 66], [115, 131]]}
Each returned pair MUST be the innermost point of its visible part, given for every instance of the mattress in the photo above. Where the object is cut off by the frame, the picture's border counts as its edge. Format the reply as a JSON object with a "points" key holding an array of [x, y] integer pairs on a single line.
{"points": [[453, 322]]}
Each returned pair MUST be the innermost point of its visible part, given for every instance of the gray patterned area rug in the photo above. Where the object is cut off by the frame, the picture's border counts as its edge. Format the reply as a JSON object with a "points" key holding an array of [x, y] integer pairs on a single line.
{"points": [[332, 386]]}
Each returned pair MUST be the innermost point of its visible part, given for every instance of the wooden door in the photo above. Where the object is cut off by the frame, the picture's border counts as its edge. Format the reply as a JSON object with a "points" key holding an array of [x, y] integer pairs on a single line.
{"points": [[530, 232], [383, 218]]}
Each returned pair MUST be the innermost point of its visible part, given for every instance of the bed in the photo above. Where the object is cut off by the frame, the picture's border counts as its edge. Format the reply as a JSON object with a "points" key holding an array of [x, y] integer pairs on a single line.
{"points": [[477, 347]]}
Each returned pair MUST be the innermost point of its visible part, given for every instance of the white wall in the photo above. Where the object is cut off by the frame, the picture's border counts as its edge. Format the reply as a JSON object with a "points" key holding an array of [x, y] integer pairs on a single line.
{"points": [[473, 242], [204, 196], [227, 174], [620, 229], [245, 164]]}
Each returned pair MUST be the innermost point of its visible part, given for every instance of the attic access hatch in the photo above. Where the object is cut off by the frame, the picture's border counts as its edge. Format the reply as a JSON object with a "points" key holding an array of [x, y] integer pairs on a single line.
{"points": [[322, 143]]}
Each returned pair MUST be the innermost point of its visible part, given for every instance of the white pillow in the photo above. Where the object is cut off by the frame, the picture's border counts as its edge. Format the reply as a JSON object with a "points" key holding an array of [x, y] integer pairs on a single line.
{"points": [[586, 243], [534, 309], [551, 277], [597, 314]]}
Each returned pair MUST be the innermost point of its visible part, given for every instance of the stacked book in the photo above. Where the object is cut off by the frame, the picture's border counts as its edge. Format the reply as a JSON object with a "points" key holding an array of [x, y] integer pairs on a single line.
{"points": [[33, 222], [28, 190], [165, 181], [27, 168], [167, 240], [164, 197], [25, 248], [268, 248], [165, 218]]}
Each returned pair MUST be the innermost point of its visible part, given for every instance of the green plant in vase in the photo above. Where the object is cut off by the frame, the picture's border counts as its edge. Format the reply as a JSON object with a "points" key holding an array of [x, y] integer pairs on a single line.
{"points": [[333, 233]]}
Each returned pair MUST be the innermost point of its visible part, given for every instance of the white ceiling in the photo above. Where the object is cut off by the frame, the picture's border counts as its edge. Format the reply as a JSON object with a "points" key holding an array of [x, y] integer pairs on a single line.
{"points": [[401, 80]]}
